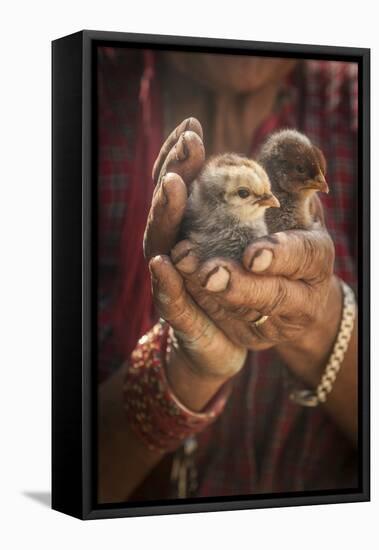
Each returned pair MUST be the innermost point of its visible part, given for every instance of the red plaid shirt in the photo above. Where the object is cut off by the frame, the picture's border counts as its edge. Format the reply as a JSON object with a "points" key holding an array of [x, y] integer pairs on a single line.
{"points": [[262, 443]]}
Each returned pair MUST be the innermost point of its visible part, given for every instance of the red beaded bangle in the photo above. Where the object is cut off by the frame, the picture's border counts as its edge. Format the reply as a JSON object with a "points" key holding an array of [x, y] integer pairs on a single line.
{"points": [[154, 413]]}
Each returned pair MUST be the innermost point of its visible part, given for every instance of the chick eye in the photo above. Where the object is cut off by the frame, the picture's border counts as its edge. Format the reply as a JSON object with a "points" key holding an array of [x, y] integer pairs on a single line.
{"points": [[243, 193], [300, 169]]}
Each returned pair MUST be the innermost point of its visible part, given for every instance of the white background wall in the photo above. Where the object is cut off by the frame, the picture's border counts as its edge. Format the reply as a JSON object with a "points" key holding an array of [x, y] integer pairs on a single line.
{"points": [[26, 31]]}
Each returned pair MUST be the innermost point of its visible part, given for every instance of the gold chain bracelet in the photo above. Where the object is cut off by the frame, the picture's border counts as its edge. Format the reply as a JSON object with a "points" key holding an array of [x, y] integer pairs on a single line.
{"points": [[309, 398]]}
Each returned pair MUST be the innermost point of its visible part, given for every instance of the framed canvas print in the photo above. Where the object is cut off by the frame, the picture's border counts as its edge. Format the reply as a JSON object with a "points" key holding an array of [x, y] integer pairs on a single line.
{"points": [[210, 274]]}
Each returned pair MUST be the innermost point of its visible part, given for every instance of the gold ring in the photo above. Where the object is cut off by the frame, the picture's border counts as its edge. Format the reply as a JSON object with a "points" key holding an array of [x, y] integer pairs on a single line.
{"points": [[262, 319]]}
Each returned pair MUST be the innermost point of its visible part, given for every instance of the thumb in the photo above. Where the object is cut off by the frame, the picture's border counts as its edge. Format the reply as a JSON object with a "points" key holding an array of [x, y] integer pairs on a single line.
{"points": [[203, 342], [172, 301]]}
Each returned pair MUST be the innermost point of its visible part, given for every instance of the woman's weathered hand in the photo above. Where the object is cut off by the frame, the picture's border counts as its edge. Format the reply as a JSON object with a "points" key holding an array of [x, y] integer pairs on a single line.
{"points": [[286, 276], [200, 342]]}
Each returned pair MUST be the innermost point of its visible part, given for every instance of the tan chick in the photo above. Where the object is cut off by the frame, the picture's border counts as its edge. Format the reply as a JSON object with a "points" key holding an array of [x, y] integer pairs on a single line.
{"points": [[226, 207]]}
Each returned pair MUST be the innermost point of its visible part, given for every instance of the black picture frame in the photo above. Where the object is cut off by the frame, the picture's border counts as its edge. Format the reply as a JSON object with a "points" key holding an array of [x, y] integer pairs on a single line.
{"points": [[74, 275]]}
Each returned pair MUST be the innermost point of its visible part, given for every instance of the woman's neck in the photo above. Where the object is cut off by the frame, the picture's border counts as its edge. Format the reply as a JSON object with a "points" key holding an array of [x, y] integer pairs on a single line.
{"points": [[229, 120]]}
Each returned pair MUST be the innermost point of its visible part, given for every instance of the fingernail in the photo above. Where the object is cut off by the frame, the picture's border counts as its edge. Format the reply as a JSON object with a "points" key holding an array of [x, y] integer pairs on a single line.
{"points": [[217, 279], [180, 256], [187, 264], [152, 262], [261, 260], [160, 259], [164, 259]]}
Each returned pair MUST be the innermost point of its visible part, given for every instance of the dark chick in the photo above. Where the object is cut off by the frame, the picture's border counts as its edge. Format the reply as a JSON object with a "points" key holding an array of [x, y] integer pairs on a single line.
{"points": [[296, 169], [226, 207]]}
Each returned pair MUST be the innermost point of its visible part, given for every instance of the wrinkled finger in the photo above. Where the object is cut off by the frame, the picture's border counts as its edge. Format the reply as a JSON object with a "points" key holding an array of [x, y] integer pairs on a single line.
{"points": [[189, 124], [185, 158], [187, 263], [184, 257], [236, 319], [175, 305], [165, 216], [269, 295], [307, 255], [238, 322], [214, 308]]}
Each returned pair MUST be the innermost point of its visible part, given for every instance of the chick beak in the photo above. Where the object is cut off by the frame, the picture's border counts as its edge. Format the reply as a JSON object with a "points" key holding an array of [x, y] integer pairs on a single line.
{"points": [[319, 183], [269, 200]]}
